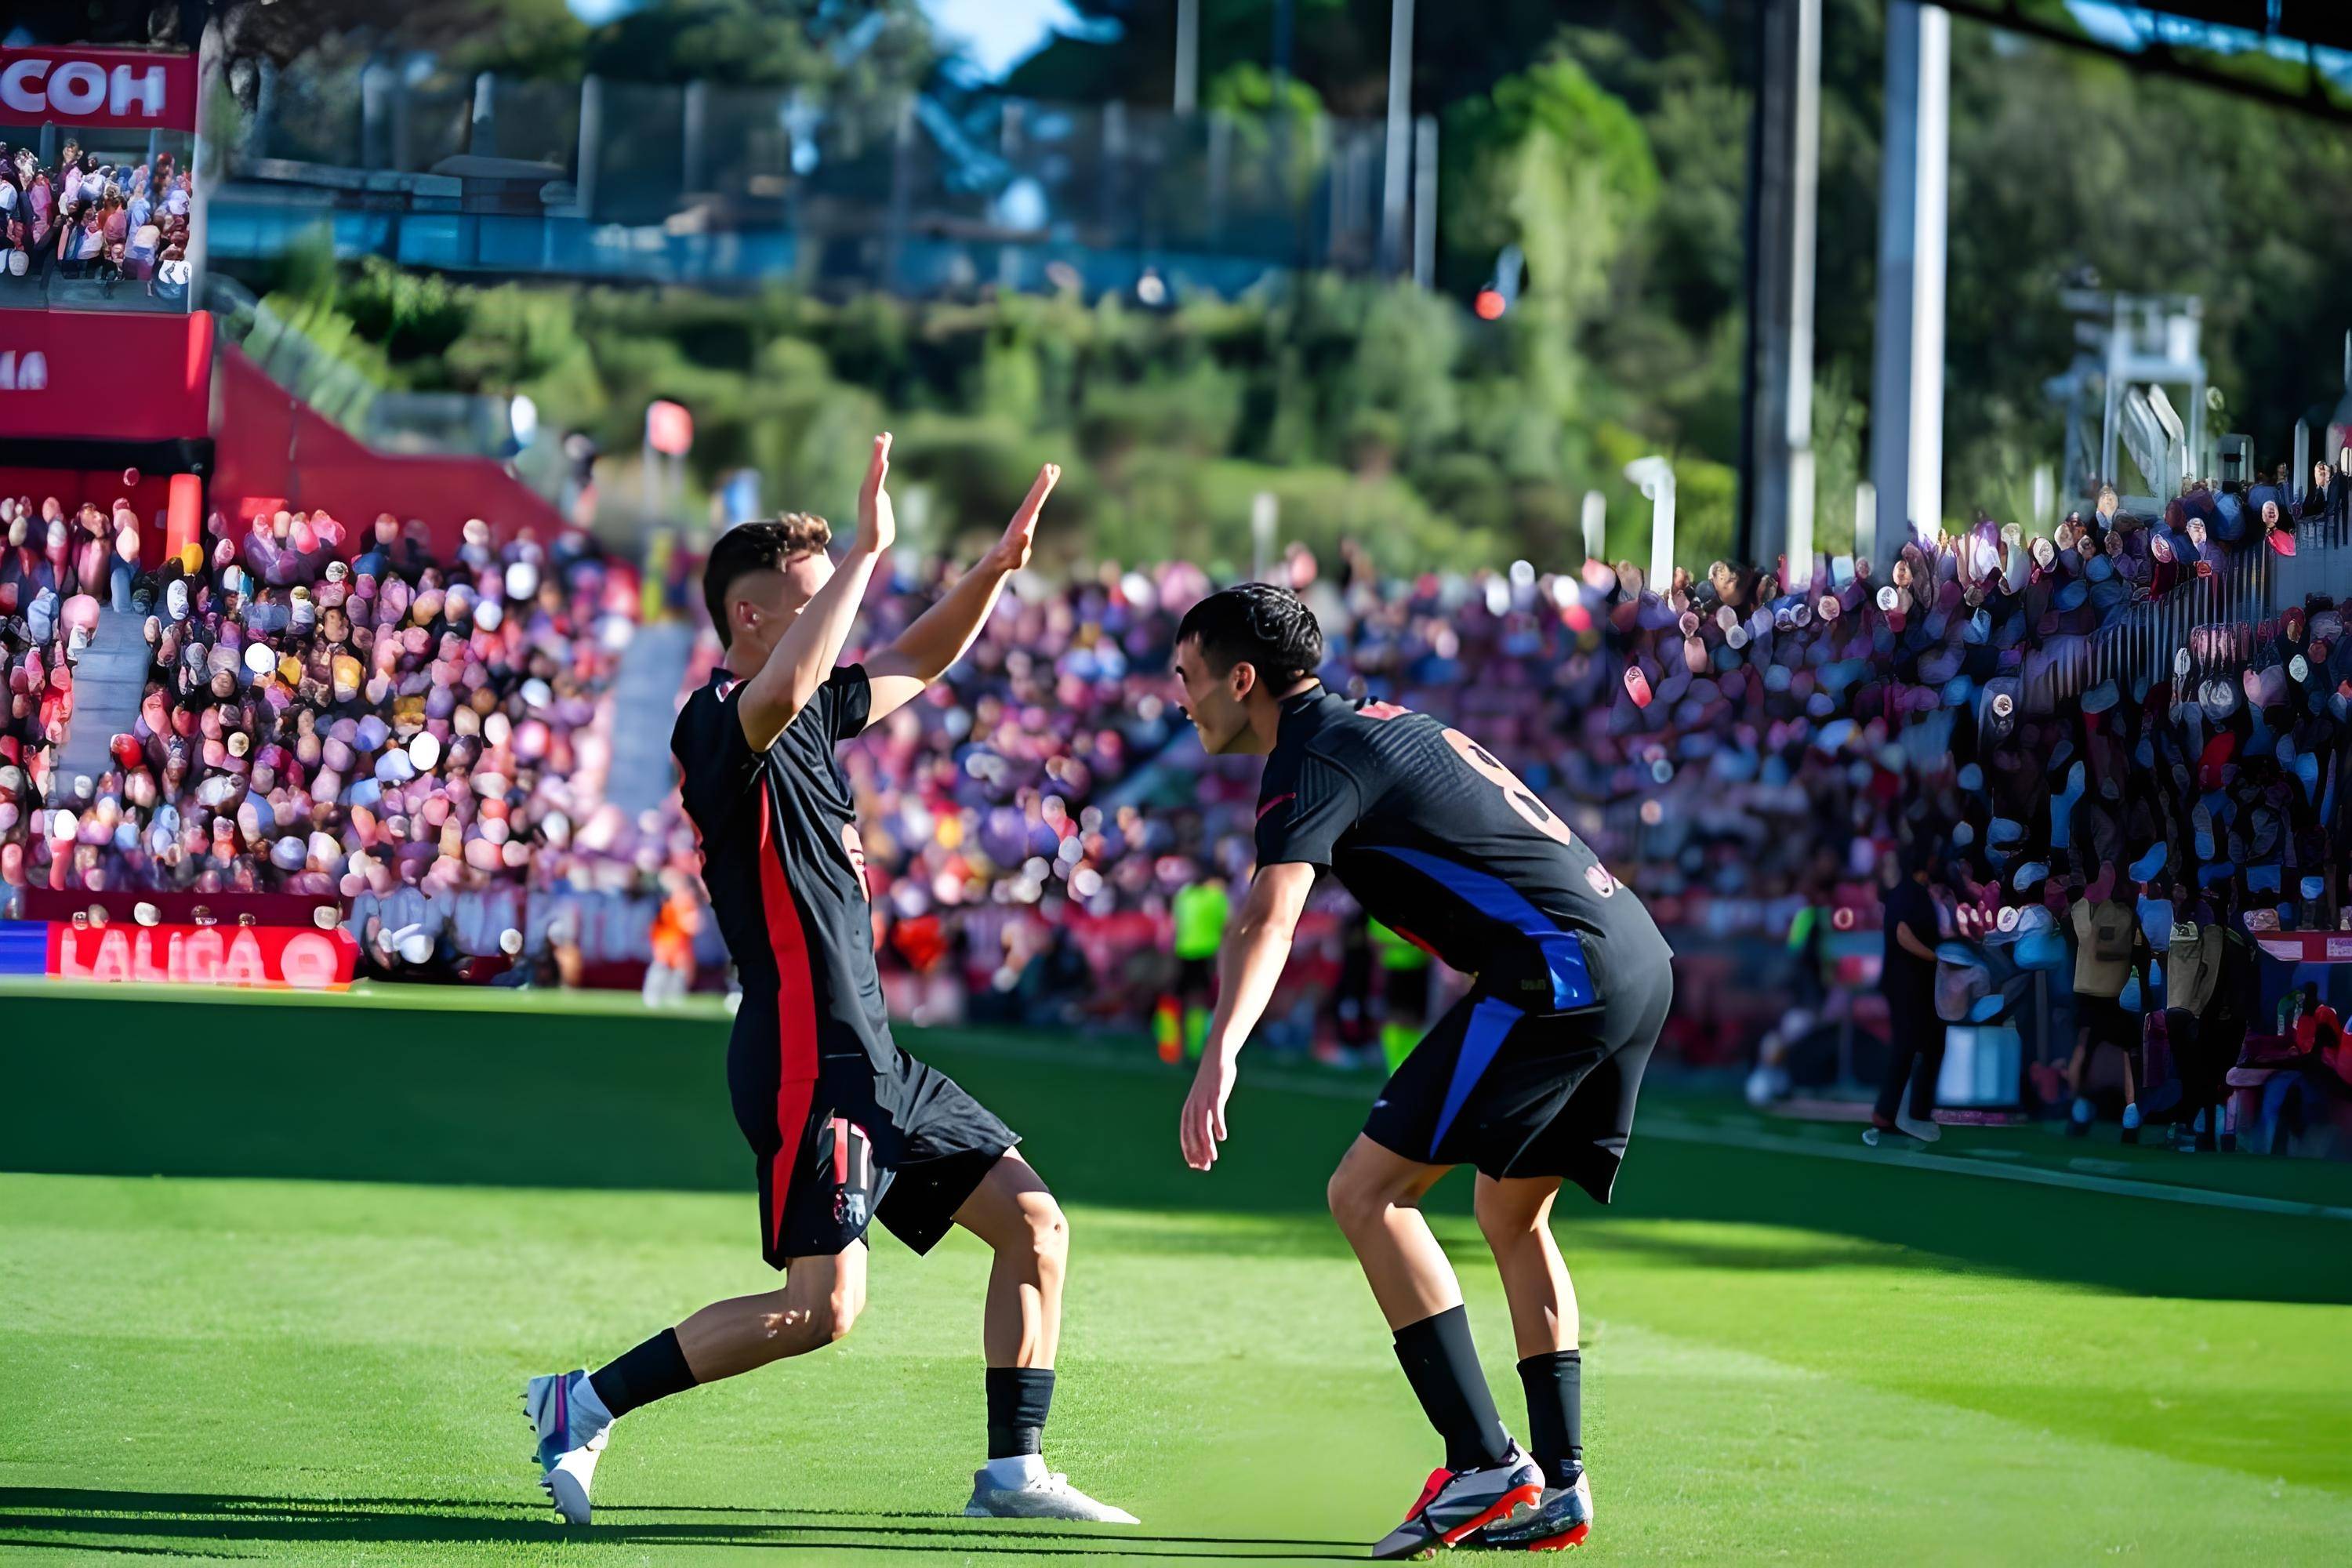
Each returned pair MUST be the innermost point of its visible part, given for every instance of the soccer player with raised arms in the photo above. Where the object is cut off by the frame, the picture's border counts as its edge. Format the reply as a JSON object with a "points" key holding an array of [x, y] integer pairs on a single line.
{"points": [[846, 1127], [1530, 1078]]}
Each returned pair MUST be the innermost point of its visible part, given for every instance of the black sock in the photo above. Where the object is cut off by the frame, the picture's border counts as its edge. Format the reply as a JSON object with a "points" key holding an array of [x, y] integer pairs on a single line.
{"points": [[1555, 1415], [653, 1369], [1018, 1399], [1442, 1364]]}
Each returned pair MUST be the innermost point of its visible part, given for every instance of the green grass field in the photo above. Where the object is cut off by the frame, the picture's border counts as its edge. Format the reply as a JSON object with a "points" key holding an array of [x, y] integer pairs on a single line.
{"points": [[271, 1274]]}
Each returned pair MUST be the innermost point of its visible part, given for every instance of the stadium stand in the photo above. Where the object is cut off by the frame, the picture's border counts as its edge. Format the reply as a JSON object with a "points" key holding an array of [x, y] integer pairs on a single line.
{"points": [[430, 737]]}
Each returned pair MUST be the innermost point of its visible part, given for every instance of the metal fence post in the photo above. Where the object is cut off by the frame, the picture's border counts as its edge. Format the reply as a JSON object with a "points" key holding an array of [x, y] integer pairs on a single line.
{"points": [[696, 118], [374, 115], [1221, 160], [902, 192], [592, 133], [1114, 168], [482, 141], [1424, 202]]}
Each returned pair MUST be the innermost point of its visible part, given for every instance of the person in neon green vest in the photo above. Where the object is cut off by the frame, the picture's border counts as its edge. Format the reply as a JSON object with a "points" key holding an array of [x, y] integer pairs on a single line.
{"points": [[1201, 910], [1404, 993]]}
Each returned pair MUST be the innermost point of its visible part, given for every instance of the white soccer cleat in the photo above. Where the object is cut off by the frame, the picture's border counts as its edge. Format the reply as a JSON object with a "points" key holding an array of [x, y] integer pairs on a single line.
{"points": [[1924, 1131], [569, 1442], [1041, 1497]]}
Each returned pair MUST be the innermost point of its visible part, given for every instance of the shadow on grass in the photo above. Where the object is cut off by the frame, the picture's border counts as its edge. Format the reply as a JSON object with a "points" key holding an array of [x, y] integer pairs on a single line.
{"points": [[591, 1101], [126, 1520]]}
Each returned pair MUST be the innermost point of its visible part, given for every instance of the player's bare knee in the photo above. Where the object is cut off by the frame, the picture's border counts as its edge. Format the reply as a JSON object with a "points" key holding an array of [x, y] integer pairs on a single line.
{"points": [[1356, 1204], [1049, 1231], [1506, 1224], [833, 1322]]}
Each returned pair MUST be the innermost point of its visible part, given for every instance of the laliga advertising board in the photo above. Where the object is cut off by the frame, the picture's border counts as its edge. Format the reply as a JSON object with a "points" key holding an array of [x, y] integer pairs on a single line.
{"points": [[289, 957]]}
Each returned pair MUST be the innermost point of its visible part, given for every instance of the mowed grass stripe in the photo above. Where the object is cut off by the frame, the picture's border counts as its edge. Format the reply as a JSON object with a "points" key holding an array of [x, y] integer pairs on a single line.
{"points": [[1261, 1406], [1789, 1357]]}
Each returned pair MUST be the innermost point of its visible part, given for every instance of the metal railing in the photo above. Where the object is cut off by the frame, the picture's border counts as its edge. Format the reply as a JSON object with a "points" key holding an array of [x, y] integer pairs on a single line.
{"points": [[2216, 621], [446, 422], [930, 193]]}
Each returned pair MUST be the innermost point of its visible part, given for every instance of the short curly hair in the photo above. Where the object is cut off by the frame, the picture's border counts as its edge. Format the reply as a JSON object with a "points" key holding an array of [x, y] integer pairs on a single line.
{"points": [[751, 547], [1257, 624]]}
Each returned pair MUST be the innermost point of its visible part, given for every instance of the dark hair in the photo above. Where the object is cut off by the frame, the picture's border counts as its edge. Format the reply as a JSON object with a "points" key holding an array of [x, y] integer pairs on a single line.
{"points": [[1269, 628], [1922, 854], [753, 547]]}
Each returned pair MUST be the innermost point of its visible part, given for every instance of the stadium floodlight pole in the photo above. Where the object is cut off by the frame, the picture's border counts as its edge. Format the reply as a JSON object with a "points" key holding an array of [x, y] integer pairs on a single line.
{"points": [[1188, 56], [1776, 490], [1656, 477], [1798, 547], [1906, 398], [1398, 157]]}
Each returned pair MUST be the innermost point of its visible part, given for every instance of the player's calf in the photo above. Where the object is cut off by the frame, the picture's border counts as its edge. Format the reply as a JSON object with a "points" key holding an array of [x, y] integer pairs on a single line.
{"points": [[818, 1306], [1014, 1213], [573, 1412]]}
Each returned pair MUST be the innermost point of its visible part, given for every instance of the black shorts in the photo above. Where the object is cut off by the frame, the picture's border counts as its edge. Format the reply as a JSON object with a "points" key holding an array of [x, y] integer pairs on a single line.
{"points": [[877, 1135], [1196, 977], [1527, 1094]]}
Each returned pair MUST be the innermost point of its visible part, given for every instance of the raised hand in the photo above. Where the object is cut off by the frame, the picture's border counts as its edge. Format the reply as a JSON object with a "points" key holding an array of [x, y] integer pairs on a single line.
{"points": [[1012, 551], [876, 524]]}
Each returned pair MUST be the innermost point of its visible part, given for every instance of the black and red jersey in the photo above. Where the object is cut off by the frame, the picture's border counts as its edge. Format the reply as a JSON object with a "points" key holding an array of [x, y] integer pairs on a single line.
{"points": [[782, 860], [845, 1126], [1443, 844]]}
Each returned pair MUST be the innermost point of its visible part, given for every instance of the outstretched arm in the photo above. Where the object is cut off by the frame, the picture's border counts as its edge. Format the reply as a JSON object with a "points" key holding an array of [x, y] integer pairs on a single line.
{"points": [[812, 645], [1247, 970], [942, 634]]}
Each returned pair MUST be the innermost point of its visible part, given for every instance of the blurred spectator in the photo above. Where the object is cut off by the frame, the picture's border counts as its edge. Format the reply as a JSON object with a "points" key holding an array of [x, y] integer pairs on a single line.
{"points": [[1907, 977], [670, 973], [335, 710], [2110, 945]]}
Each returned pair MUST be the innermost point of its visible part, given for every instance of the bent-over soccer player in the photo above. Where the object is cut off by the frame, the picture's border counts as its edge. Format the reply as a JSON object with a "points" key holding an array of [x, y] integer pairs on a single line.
{"points": [[1530, 1078], [845, 1127]]}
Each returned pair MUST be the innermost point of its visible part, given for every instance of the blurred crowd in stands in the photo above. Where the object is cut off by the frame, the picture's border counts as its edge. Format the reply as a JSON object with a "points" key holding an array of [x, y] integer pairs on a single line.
{"points": [[86, 217], [430, 738]]}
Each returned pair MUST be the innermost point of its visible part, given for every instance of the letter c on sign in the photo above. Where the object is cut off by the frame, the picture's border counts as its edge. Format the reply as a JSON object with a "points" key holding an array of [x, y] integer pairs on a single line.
{"points": [[20, 86]]}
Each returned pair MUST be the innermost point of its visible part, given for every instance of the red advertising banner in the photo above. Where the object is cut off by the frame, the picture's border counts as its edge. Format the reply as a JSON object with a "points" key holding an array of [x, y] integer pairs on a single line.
{"points": [[282, 957], [69, 85], [89, 375], [2307, 946]]}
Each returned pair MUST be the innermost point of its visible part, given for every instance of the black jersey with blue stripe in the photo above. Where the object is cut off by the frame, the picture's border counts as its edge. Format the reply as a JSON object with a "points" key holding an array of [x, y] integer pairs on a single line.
{"points": [[1443, 844]]}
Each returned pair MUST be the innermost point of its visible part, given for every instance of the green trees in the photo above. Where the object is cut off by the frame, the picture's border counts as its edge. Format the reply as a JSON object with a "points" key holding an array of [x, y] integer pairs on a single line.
{"points": [[1607, 142]]}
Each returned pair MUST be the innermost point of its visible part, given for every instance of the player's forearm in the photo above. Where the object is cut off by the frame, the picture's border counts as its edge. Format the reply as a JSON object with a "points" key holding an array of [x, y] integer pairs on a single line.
{"points": [[1252, 967], [813, 645], [944, 633]]}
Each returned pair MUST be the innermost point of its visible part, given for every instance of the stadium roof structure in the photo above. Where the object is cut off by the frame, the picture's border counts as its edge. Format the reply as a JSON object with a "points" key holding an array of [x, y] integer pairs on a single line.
{"points": [[2292, 53]]}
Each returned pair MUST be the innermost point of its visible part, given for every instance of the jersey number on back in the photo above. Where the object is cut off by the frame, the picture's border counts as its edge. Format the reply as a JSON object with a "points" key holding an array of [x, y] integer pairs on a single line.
{"points": [[1532, 811]]}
